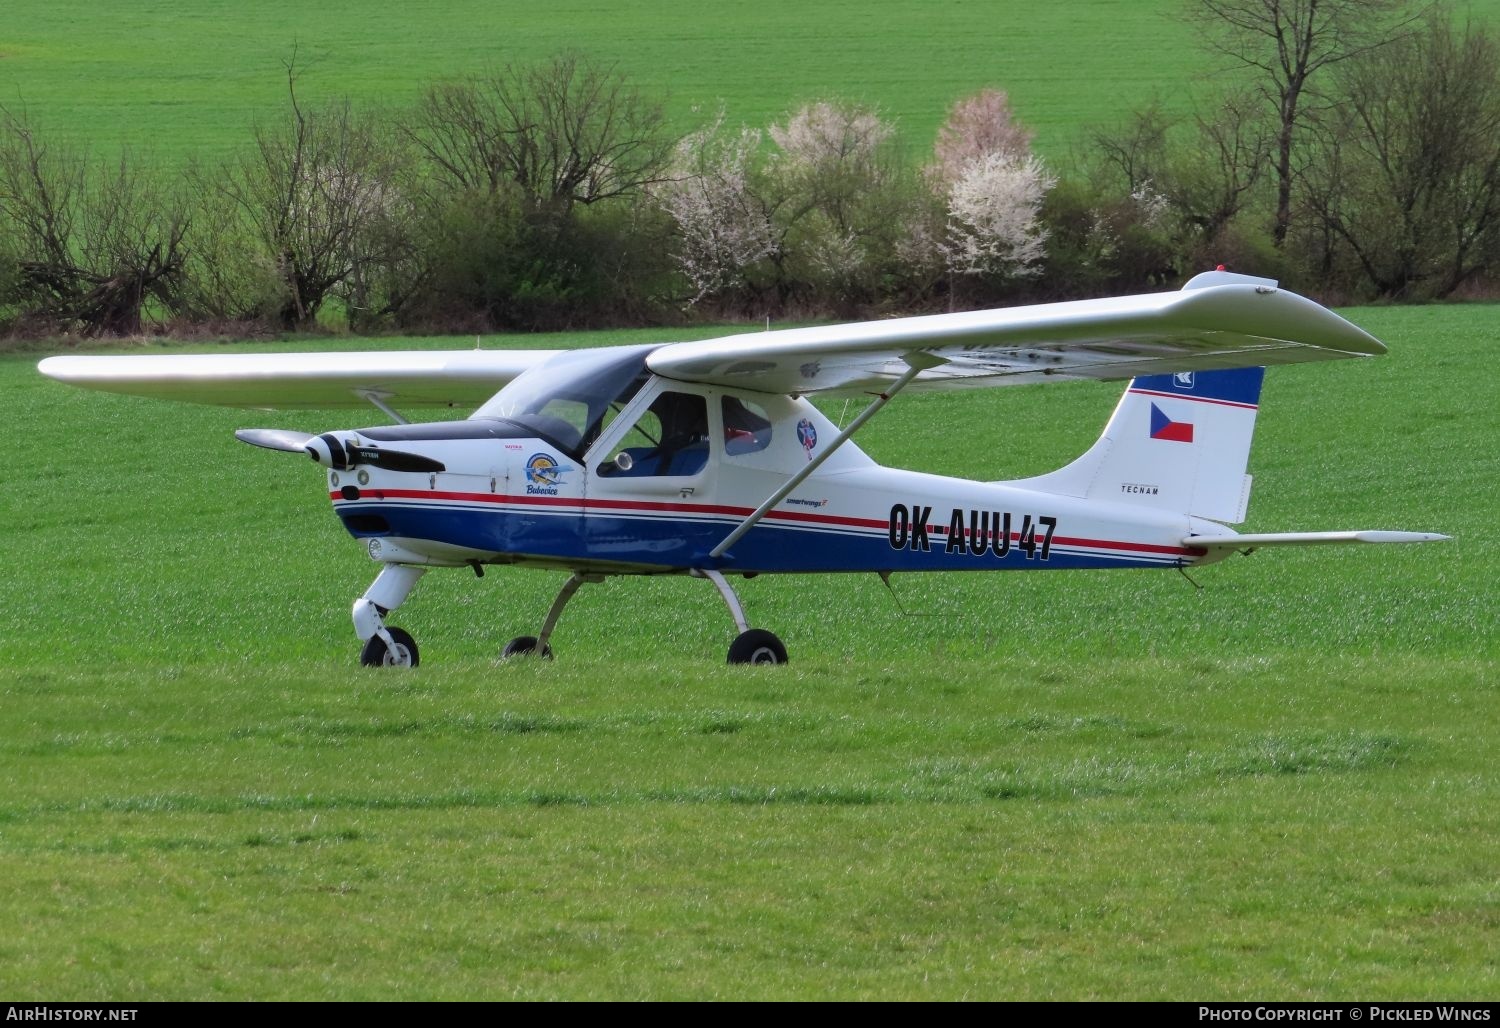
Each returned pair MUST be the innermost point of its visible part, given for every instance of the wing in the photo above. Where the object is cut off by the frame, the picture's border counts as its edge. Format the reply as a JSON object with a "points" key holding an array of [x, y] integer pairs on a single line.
{"points": [[1218, 320], [277, 381]]}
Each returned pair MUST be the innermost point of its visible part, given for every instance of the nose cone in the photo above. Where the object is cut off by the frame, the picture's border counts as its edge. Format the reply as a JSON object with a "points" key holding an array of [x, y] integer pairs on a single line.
{"points": [[329, 451], [344, 452]]}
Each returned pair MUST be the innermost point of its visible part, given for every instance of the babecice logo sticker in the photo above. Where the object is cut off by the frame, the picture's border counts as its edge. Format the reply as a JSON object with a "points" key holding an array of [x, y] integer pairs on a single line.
{"points": [[543, 474]]}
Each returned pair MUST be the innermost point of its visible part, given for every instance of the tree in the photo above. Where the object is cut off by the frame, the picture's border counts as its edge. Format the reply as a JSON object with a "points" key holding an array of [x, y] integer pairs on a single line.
{"points": [[836, 191], [523, 169], [1201, 183], [993, 217], [1289, 45], [976, 127], [88, 245], [1408, 178], [722, 219], [319, 195], [564, 132], [988, 190]]}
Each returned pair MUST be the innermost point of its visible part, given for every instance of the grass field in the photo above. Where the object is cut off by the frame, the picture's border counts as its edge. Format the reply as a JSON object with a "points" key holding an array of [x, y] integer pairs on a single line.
{"points": [[175, 78], [1087, 785], [1073, 785]]}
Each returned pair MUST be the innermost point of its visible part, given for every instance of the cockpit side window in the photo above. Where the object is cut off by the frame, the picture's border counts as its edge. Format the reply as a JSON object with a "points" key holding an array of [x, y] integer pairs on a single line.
{"points": [[669, 439], [747, 428]]}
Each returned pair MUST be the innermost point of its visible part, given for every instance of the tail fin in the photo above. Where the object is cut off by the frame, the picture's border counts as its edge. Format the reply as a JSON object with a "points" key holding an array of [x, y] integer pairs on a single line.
{"points": [[1175, 442]]}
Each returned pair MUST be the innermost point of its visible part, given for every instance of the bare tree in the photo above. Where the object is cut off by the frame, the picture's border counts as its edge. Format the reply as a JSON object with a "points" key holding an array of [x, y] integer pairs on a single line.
{"points": [[1137, 151], [564, 132], [531, 176], [1289, 44], [1204, 180], [318, 192], [1408, 179], [91, 245], [1232, 145]]}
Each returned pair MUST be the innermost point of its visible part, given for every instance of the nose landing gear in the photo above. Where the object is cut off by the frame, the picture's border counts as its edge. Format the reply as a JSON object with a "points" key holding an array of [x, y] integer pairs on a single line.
{"points": [[386, 646]]}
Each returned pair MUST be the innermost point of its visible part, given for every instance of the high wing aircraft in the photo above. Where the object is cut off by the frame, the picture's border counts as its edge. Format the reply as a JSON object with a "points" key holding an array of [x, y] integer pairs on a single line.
{"points": [[707, 459]]}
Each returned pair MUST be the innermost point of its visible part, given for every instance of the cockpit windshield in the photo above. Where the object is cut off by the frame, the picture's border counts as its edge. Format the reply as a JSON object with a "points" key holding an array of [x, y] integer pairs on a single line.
{"points": [[566, 398]]}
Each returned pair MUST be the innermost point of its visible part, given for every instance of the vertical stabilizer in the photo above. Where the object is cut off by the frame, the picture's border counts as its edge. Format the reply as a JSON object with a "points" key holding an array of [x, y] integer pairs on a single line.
{"points": [[1175, 442]]}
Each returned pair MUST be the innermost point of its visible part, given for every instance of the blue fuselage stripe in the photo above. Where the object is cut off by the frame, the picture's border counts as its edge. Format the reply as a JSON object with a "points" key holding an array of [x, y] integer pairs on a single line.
{"points": [[674, 541]]}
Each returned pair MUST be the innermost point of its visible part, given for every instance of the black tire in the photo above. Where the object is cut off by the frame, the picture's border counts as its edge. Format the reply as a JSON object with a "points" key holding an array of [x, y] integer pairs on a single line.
{"points": [[757, 646], [377, 654], [524, 646]]}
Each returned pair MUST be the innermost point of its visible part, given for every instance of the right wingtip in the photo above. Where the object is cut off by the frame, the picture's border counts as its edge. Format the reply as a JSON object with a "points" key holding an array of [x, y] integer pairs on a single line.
{"points": [[1402, 537]]}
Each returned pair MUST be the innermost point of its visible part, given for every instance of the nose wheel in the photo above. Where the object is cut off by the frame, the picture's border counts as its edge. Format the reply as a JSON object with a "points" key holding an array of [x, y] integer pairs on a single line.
{"points": [[400, 651]]}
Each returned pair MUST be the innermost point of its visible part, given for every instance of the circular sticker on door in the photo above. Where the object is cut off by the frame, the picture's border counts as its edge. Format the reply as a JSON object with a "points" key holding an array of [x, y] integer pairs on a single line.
{"points": [[807, 435]]}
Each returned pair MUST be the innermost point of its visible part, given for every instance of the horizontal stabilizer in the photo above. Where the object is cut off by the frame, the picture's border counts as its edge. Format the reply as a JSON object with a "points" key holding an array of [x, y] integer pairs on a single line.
{"points": [[1228, 543]]}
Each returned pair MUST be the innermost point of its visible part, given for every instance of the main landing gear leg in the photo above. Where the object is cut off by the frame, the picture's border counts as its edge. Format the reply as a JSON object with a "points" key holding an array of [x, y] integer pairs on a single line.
{"points": [[524, 644], [386, 647], [752, 645]]}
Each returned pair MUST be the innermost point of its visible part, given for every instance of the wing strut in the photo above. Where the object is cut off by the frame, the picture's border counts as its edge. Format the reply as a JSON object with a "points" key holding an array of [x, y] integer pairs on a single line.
{"points": [[916, 362], [378, 399]]}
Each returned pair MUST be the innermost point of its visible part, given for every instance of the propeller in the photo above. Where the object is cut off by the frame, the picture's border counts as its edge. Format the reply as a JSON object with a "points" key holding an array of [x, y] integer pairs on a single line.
{"points": [[332, 452], [275, 439]]}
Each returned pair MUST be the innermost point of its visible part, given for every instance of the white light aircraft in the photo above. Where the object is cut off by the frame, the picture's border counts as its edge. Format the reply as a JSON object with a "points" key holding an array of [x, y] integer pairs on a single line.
{"points": [[706, 458]]}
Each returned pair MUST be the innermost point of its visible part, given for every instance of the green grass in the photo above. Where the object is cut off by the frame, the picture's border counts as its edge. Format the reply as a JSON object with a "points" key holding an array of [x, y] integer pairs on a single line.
{"points": [[182, 78], [1027, 786], [1094, 784], [176, 78]]}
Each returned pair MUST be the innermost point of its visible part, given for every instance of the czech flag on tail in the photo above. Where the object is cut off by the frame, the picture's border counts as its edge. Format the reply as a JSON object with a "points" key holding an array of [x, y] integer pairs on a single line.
{"points": [[1163, 427]]}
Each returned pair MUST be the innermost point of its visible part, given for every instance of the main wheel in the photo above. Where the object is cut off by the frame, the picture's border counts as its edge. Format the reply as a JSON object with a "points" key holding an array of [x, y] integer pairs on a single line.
{"points": [[523, 646], [403, 654], [757, 646]]}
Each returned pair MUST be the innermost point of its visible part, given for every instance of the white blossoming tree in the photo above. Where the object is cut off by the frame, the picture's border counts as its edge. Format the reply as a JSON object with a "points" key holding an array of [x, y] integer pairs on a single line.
{"points": [[723, 223], [839, 187], [987, 192], [994, 226]]}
